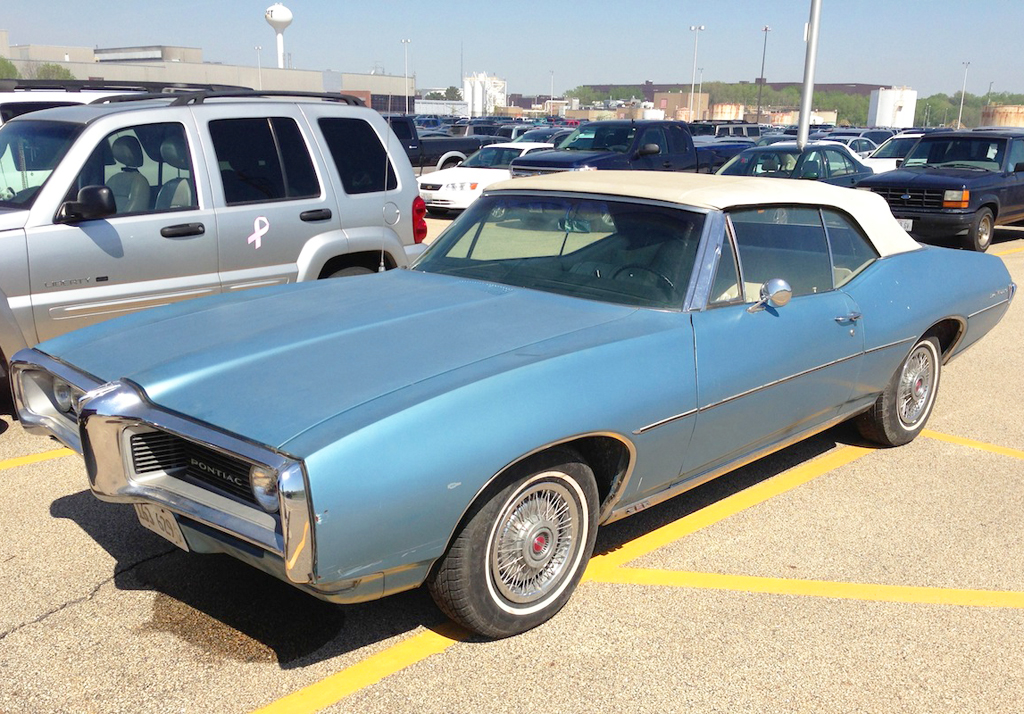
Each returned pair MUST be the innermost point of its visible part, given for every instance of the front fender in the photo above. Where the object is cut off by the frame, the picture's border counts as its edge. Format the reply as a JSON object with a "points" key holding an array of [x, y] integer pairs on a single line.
{"points": [[12, 338]]}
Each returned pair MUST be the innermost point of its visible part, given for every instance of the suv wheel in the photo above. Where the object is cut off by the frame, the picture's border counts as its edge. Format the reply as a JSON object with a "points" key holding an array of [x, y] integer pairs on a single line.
{"points": [[979, 238]]}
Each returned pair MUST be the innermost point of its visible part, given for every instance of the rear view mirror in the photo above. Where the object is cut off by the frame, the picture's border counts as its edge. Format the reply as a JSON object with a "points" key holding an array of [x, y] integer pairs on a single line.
{"points": [[775, 292]]}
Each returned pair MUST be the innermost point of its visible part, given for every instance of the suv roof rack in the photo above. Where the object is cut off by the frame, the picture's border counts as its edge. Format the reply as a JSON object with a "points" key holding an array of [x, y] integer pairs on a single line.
{"points": [[186, 96], [78, 85]]}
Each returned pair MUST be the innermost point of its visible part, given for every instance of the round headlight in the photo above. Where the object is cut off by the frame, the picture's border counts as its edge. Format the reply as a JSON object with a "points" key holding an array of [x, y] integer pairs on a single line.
{"points": [[264, 487], [63, 397]]}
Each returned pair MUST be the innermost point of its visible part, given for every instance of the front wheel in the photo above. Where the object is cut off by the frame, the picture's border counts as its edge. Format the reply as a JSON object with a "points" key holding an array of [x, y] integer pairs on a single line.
{"points": [[900, 412], [979, 237], [522, 550]]}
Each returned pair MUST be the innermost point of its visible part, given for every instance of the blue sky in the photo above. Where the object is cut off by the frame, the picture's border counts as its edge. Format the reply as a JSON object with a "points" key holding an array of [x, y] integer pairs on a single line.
{"points": [[918, 43]]}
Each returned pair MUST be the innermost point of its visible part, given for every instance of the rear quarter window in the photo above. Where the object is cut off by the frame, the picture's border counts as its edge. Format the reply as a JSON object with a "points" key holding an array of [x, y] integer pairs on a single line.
{"points": [[359, 157]]}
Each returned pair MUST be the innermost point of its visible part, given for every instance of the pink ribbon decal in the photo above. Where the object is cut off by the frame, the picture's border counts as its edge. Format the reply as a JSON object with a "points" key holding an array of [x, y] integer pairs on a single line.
{"points": [[259, 229]]}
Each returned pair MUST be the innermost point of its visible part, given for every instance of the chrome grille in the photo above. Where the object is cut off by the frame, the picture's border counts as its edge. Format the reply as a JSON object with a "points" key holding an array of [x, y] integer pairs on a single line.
{"points": [[430, 186], [159, 451], [910, 197]]}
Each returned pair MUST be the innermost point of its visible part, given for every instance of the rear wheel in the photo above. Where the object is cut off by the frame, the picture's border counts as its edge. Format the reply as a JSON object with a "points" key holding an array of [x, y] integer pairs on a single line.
{"points": [[349, 271], [979, 237], [902, 410], [450, 163], [523, 549]]}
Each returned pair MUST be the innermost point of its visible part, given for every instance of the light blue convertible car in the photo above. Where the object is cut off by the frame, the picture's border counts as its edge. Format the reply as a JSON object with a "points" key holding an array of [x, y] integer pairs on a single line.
{"points": [[572, 350]]}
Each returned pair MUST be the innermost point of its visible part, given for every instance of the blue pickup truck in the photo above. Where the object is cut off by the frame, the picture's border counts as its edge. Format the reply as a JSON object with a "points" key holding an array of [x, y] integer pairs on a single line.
{"points": [[957, 184], [651, 145]]}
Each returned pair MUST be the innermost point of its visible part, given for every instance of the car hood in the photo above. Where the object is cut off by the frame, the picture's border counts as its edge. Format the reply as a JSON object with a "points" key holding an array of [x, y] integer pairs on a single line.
{"points": [[276, 362], [925, 176], [461, 174], [562, 157], [12, 218]]}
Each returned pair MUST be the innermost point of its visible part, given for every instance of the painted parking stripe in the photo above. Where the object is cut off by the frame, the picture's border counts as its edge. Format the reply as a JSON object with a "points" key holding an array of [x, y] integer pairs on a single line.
{"points": [[961, 441], [816, 588], [35, 458], [1011, 251], [371, 670]]}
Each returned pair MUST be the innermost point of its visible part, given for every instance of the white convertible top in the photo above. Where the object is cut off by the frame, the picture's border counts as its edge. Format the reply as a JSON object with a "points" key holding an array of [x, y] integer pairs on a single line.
{"points": [[710, 191]]}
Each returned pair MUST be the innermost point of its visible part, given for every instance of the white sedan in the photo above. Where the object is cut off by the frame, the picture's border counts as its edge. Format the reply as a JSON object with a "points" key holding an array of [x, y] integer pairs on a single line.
{"points": [[454, 189]]}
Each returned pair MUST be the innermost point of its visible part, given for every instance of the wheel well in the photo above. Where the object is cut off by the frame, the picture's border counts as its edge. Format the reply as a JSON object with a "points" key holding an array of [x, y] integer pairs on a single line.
{"points": [[948, 332], [368, 259]]}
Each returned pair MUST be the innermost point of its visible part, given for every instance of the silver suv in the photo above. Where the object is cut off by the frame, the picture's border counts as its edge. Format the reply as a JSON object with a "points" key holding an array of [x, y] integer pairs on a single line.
{"points": [[110, 208]]}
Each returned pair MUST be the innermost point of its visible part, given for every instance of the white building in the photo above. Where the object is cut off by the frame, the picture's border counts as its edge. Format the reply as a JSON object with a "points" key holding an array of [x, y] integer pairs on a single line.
{"points": [[483, 93], [892, 107]]}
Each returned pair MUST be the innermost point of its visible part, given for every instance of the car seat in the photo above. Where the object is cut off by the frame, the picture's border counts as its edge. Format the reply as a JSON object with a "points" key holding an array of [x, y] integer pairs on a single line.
{"points": [[130, 188], [176, 192]]}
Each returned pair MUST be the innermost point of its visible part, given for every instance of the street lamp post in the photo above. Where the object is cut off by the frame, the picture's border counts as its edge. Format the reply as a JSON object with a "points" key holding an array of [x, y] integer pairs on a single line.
{"points": [[551, 97], [700, 90], [405, 89], [960, 116], [259, 66], [696, 30], [760, 84]]}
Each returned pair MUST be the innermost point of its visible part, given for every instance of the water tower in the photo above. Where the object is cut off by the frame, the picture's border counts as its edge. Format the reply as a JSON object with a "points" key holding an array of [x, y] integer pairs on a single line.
{"points": [[279, 17]]}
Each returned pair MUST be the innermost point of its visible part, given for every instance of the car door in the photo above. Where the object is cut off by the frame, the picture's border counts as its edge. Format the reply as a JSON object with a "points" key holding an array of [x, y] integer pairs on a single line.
{"points": [[766, 374], [270, 199], [158, 247]]}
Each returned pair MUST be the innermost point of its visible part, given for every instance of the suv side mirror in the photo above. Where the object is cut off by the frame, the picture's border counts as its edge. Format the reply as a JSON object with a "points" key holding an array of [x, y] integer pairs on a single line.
{"points": [[93, 202], [1019, 168], [649, 150]]}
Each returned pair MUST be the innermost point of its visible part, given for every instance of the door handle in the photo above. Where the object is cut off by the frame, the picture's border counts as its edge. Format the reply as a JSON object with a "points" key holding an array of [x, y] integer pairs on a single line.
{"points": [[319, 214], [183, 230], [852, 317]]}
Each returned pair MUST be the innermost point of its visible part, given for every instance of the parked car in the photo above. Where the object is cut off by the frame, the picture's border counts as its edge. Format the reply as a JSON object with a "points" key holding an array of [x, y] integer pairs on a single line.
{"points": [[957, 184], [636, 145], [435, 152], [454, 189], [111, 208], [724, 128], [573, 349], [553, 135], [859, 145], [826, 161], [887, 156], [876, 134]]}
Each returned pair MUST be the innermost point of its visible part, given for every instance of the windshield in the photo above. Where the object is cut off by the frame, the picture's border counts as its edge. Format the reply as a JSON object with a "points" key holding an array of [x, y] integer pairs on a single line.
{"points": [[601, 137], [492, 157], [29, 152], [612, 251], [777, 163], [895, 148], [958, 152]]}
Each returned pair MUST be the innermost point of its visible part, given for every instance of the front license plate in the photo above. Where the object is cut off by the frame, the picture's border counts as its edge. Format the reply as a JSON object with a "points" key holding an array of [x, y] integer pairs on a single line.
{"points": [[162, 522], [906, 224]]}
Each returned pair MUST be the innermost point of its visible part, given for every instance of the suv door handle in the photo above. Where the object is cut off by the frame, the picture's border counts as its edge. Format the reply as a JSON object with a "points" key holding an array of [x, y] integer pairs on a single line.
{"points": [[319, 214], [183, 230]]}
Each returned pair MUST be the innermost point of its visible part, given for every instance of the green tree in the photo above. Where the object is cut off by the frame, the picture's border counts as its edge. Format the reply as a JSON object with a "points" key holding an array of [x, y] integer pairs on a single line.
{"points": [[434, 96], [453, 94], [50, 70], [8, 70]]}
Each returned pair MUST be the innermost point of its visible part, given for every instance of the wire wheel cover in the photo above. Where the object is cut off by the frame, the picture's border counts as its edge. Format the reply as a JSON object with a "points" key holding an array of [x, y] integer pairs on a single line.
{"points": [[916, 386]]}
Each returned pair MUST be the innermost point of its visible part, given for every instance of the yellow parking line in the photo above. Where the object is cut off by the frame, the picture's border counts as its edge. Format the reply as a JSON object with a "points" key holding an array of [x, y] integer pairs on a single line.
{"points": [[962, 441], [709, 515], [817, 588], [1008, 252], [336, 687], [34, 458]]}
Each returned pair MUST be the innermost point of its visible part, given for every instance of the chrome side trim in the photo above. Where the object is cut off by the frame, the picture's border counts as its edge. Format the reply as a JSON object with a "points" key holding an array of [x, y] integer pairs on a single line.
{"points": [[109, 417], [1002, 302], [682, 486], [762, 387]]}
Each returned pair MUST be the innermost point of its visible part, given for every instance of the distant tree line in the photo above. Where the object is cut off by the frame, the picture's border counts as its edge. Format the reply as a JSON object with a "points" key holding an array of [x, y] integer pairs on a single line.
{"points": [[46, 70], [851, 109]]}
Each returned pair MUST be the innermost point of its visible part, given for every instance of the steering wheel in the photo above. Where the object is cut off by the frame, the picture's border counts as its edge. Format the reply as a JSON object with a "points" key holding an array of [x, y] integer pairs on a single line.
{"points": [[634, 267]]}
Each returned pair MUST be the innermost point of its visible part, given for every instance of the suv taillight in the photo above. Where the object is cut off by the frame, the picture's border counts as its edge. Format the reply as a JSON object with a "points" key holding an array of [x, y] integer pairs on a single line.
{"points": [[419, 220]]}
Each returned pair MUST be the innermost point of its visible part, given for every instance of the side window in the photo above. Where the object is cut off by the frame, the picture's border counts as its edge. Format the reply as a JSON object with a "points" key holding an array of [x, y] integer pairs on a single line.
{"points": [[654, 135], [811, 166], [359, 157], [147, 167], [726, 288], [851, 250], [1016, 154], [786, 242], [838, 164], [263, 159]]}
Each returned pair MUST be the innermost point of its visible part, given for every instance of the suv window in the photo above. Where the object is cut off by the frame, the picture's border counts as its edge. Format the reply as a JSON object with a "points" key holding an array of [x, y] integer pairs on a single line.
{"points": [[358, 155], [29, 152], [147, 167], [263, 159]]}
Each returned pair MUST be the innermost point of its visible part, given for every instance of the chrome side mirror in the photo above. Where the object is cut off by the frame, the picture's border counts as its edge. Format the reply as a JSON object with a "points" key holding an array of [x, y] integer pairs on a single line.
{"points": [[775, 292]]}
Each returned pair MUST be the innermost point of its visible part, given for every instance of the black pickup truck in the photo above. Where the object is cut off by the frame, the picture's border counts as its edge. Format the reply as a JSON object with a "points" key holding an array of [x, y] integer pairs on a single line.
{"points": [[651, 145], [957, 184], [433, 153]]}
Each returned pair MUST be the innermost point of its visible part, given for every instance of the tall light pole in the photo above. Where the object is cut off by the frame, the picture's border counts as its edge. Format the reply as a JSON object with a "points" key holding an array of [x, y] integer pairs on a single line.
{"points": [[700, 90], [551, 97], [405, 90], [696, 30], [760, 84], [959, 123], [259, 65]]}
